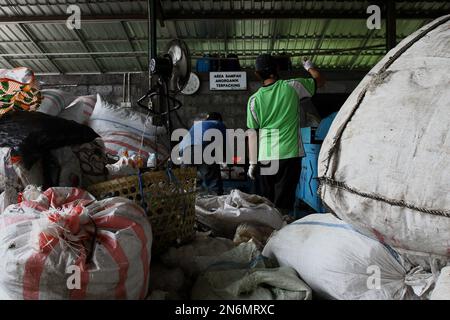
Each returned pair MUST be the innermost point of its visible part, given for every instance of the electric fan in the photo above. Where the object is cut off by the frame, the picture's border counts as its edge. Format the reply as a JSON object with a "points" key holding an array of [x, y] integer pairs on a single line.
{"points": [[172, 71]]}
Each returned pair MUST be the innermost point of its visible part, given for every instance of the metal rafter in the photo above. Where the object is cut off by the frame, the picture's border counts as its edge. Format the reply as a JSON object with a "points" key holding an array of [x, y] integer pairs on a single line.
{"points": [[82, 41], [213, 15], [31, 37], [131, 44], [38, 3], [274, 36], [391, 25], [322, 37], [238, 38], [225, 38], [363, 45], [160, 13], [172, 29], [273, 29], [8, 62], [24, 29], [298, 52]]}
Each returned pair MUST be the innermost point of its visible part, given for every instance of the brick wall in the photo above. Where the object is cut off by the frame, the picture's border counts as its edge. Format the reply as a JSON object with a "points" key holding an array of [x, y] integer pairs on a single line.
{"points": [[231, 104]]}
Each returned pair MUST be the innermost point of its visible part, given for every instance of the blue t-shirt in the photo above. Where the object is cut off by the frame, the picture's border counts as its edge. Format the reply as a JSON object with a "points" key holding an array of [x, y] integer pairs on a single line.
{"points": [[196, 134]]}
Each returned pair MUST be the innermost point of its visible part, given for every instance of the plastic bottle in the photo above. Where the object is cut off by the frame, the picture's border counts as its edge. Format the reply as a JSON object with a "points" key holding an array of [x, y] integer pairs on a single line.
{"points": [[151, 163]]}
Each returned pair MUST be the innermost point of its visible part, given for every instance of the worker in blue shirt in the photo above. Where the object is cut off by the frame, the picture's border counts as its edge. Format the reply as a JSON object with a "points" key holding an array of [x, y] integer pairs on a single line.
{"points": [[209, 175]]}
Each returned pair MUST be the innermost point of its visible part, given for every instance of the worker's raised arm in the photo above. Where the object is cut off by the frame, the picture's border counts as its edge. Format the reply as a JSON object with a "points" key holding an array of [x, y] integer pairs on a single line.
{"points": [[252, 152], [253, 124], [314, 72]]}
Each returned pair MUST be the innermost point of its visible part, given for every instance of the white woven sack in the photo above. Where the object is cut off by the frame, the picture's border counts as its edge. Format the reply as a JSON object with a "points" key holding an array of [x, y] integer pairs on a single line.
{"points": [[338, 262], [62, 244], [80, 109], [54, 101], [127, 129], [223, 214]]}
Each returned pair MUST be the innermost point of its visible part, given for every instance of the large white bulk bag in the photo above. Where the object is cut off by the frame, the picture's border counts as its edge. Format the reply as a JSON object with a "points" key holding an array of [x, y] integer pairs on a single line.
{"points": [[338, 262], [62, 244], [128, 129], [384, 166]]}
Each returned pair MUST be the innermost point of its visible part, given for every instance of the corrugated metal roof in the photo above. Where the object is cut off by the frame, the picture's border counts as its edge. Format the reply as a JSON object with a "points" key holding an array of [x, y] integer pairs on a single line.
{"points": [[116, 45], [59, 7], [79, 65], [56, 7]]}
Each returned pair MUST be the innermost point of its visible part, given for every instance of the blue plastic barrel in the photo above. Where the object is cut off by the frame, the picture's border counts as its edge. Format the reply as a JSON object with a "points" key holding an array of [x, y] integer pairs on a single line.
{"points": [[203, 65]]}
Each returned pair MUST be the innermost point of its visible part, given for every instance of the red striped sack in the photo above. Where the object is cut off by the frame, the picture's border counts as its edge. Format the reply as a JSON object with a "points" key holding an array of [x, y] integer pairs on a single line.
{"points": [[80, 110], [54, 101], [62, 244]]}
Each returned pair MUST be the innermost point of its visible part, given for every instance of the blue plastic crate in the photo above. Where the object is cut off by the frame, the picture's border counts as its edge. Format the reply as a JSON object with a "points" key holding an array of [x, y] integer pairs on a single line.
{"points": [[203, 65], [309, 183]]}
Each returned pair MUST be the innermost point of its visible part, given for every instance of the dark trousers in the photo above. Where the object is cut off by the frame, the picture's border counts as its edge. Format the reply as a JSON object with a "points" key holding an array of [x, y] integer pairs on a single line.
{"points": [[209, 178], [280, 187]]}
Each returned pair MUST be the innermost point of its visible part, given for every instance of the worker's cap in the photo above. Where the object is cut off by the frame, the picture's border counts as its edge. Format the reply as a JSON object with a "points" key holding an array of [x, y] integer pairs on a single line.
{"points": [[265, 62]]}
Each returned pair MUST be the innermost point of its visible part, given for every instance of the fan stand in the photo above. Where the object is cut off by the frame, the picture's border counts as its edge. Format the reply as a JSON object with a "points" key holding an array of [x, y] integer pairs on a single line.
{"points": [[160, 90], [171, 70]]}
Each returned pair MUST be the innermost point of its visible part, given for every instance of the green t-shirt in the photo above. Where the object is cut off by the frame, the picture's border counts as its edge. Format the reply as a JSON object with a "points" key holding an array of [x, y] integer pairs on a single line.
{"points": [[274, 110]]}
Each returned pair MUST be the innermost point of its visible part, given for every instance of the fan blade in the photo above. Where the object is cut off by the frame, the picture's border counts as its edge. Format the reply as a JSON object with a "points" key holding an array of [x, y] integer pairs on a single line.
{"points": [[181, 60]]}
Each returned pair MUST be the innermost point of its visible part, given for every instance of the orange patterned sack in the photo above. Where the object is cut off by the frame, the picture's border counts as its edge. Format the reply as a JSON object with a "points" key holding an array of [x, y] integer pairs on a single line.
{"points": [[18, 90]]}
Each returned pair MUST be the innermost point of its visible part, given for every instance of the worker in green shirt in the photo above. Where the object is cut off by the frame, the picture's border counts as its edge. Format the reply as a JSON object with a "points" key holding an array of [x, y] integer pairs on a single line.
{"points": [[274, 112]]}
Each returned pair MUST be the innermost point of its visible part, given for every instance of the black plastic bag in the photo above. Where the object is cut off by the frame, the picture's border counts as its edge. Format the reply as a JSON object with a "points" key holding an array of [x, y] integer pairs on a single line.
{"points": [[32, 134]]}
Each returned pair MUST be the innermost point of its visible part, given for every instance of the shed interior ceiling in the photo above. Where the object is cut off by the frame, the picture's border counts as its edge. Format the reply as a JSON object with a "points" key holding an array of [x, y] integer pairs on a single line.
{"points": [[113, 34]]}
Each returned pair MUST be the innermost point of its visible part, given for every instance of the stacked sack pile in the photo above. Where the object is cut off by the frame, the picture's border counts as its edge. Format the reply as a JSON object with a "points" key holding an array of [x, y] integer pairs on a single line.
{"points": [[38, 148], [225, 262], [384, 170], [57, 240], [70, 140], [120, 129], [63, 244]]}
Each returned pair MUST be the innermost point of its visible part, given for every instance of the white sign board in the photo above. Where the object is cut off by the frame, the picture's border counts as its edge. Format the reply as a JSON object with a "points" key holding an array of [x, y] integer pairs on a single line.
{"points": [[229, 80]]}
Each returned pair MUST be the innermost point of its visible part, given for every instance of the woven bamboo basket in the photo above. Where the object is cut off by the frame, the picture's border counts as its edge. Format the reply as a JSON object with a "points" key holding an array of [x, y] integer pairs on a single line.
{"points": [[170, 203]]}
